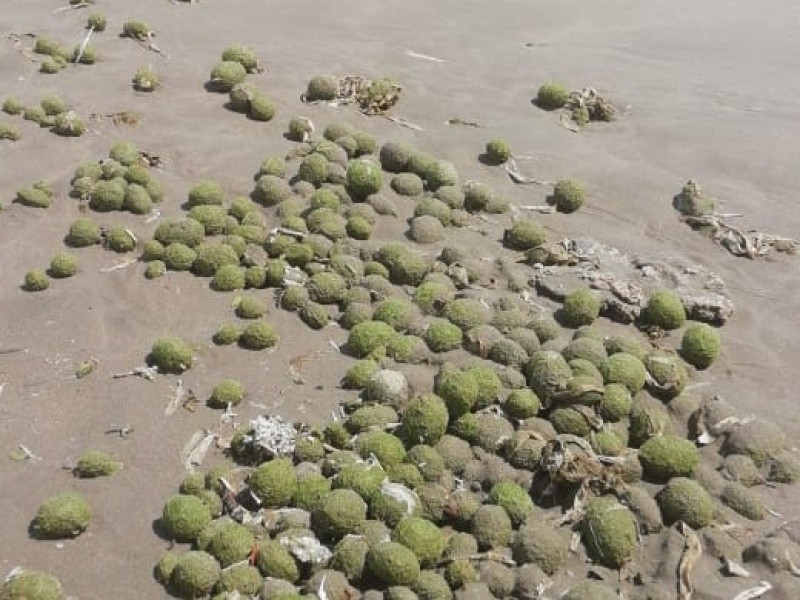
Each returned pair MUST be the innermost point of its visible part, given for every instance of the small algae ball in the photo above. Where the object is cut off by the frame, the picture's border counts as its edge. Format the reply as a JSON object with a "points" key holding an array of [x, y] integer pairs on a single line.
{"points": [[187, 231], [242, 578], [275, 561], [258, 336], [94, 463], [367, 337], [616, 402], [459, 390], [33, 197], [568, 195], [227, 74], [155, 269], [467, 313], [322, 88], [407, 184], [551, 95], [581, 307], [339, 514], [387, 448], [685, 500], [582, 350], [590, 590], [491, 527], [426, 230], [609, 532], [107, 196], [744, 501], [625, 369], [524, 234], [210, 257], [137, 200], [314, 169], [250, 308], [541, 544], [440, 173], [64, 515], [124, 152], [442, 335], [179, 257], [570, 421], [171, 355], [522, 404], [665, 310], [497, 151], [300, 129], [12, 106], [274, 482], [229, 543], [315, 315], [424, 420], [228, 278], [206, 192], [422, 537], [31, 585], [244, 55], [63, 265], [54, 105], [36, 281], [363, 178], [327, 288], [648, 418], [700, 345], [184, 517], [394, 157], [195, 574], [9, 132], [145, 79], [359, 374], [667, 374], [515, 500], [119, 239], [227, 392], [391, 563]]}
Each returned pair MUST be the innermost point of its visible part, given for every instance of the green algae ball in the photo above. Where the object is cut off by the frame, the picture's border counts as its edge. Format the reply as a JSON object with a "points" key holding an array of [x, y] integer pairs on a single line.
{"points": [[187, 231], [524, 234], [511, 497], [310, 492], [497, 151], [275, 561], [349, 557], [171, 355], [744, 501], [315, 315], [359, 374], [314, 169], [120, 240], [250, 308], [124, 152], [391, 564], [155, 269], [179, 257], [581, 307], [440, 173], [552, 95], [387, 448], [36, 281], [228, 278], [227, 392], [548, 373], [274, 482], [459, 390], [63, 265], [609, 531], [94, 463], [541, 544], [422, 537], [665, 310], [460, 572], [668, 376], [229, 543], [244, 55], [467, 313], [407, 184], [363, 178], [491, 527], [107, 196], [31, 585], [686, 500], [648, 418], [195, 574], [616, 403], [522, 404], [700, 345], [83, 232], [362, 478], [184, 517], [367, 337], [137, 200], [211, 257], [322, 88], [242, 578], [424, 420], [206, 192], [625, 369], [64, 515], [569, 195], [226, 74], [327, 288], [394, 157], [570, 421], [338, 515]]}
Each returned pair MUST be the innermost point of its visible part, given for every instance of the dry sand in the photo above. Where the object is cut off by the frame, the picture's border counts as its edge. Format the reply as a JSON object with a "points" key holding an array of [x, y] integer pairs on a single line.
{"points": [[712, 98]]}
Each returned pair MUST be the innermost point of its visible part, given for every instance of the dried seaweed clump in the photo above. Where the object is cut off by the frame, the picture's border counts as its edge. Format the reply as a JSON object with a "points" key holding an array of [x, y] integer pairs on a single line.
{"points": [[94, 463], [64, 515], [31, 585], [497, 152], [551, 96], [700, 345], [146, 80], [225, 75], [569, 195], [171, 355]]}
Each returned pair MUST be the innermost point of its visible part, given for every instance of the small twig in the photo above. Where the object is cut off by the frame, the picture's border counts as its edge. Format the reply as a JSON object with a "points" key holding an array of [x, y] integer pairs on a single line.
{"points": [[517, 177], [25, 453], [413, 54], [122, 430], [755, 592], [403, 122], [148, 373], [122, 265], [457, 121], [72, 7]]}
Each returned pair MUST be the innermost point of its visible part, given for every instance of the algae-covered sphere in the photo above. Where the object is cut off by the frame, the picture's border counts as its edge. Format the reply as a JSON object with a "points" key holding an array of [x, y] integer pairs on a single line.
{"points": [[522, 404], [467, 313], [426, 230], [625, 369], [648, 418], [186, 231], [624, 343], [33, 197], [261, 107], [609, 532], [442, 335], [258, 336], [322, 88], [349, 557], [491, 527], [227, 392], [515, 500], [552, 95], [700, 345], [744, 501], [184, 517], [665, 310], [35, 114], [68, 124], [206, 192], [244, 55], [36, 281], [327, 288], [62, 516], [541, 544], [497, 151], [300, 128], [271, 190], [94, 463], [392, 564], [581, 307], [355, 313], [107, 196], [524, 234], [422, 537], [359, 374], [365, 143], [228, 278], [155, 269], [586, 350], [274, 482], [53, 105], [275, 561], [119, 239], [440, 173], [548, 373], [477, 196], [171, 355], [434, 208], [12, 106], [424, 420], [358, 228], [431, 295], [363, 178], [9, 132], [63, 265], [179, 257], [124, 152], [227, 74], [458, 389], [363, 478], [28, 584], [194, 575], [589, 590], [229, 543], [394, 157], [667, 374], [137, 200], [336, 130], [455, 453], [242, 578], [407, 184], [684, 499], [569, 195], [570, 421], [340, 512], [293, 297], [250, 307], [616, 402], [387, 448], [315, 315], [367, 337]]}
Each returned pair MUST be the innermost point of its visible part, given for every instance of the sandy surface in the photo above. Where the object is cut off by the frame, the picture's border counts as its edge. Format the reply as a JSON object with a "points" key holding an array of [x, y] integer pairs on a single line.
{"points": [[711, 98]]}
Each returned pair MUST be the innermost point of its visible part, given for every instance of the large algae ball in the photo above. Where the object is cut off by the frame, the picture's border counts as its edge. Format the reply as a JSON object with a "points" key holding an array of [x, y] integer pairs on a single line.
{"points": [[321, 88], [424, 420], [210, 257], [394, 157], [187, 231], [206, 192], [367, 337], [274, 482], [363, 178], [458, 389], [61, 516], [590, 590], [390, 563], [625, 369], [440, 173], [685, 500], [94, 463], [119, 239], [31, 585], [226, 74], [229, 543], [497, 151], [569, 195], [314, 169], [524, 234], [522, 404], [667, 372], [700, 345], [570, 421], [467, 313], [349, 557], [271, 190], [36, 281], [667, 456], [227, 392], [327, 288], [548, 373], [422, 537], [609, 532], [275, 561], [261, 107], [581, 307], [228, 278], [426, 230], [387, 448], [432, 586], [179, 257], [542, 545], [184, 517], [665, 310], [195, 574], [242, 578], [648, 418], [491, 527], [171, 355], [107, 196], [552, 95], [515, 500], [338, 514]]}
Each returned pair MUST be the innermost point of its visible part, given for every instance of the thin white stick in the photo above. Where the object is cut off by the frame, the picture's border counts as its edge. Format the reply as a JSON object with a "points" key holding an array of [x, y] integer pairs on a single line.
{"points": [[85, 43], [413, 54]]}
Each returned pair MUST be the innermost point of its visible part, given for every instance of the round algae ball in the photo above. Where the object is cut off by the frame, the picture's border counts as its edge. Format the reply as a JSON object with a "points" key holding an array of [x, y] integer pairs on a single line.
{"points": [[665, 310], [552, 95], [179, 257], [258, 336], [171, 355], [491, 527], [120, 240], [426, 230], [569, 195], [609, 532], [94, 463], [36, 281], [408, 184], [686, 500], [616, 403], [700, 345], [363, 178], [62, 516], [524, 234], [515, 500], [228, 278], [424, 420], [387, 448], [31, 585], [497, 151], [244, 55], [394, 157], [206, 192], [83, 232], [184, 517], [314, 169], [422, 537], [548, 373], [229, 543], [625, 369], [442, 335], [367, 337], [274, 482], [194, 574], [250, 308], [155, 269], [227, 392], [322, 88], [581, 307], [226, 75], [242, 578], [186, 231], [63, 265], [522, 404], [440, 173], [467, 313], [327, 288], [391, 563], [459, 390], [541, 544], [340, 512], [275, 561]]}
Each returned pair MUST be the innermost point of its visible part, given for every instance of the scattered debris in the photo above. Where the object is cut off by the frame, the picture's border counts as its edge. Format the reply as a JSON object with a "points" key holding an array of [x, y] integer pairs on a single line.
{"points": [[271, 434], [754, 592], [82, 47], [692, 552], [144, 372], [125, 117], [403, 122], [372, 97], [122, 431], [457, 121], [584, 106], [182, 396], [517, 177], [734, 569], [22, 452], [120, 266], [413, 54], [195, 450]]}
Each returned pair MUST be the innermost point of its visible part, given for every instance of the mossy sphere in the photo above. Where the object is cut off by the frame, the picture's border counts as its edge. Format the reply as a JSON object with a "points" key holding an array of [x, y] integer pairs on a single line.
{"points": [[94, 463], [274, 482], [228, 278], [442, 335], [394, 157], [551, 96], [171, 355], [339, 514], [497, 151], [155, 269], [227, 392], [367, 337], [422, 537], [179, 257], [230, 543], [580, 307], [459, 390], [391, 563], [685, 500], [569, 195], [548, 373], [226, 74], [314, 169], [322, 88], [515, 500], [491, 527], [467, 313], [64, 515], [524, 234], [625, 369], [610, 532], [119, 239], [36, 281], [407, 184], [363, 178], [424, 420], [700, 345], [541, 544], [107, 196], [187, 231], [386, 447], [616, 403], [244, 55], [206, 192], [664, 309], [195, 574], [31, 585]]}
